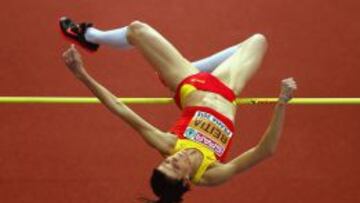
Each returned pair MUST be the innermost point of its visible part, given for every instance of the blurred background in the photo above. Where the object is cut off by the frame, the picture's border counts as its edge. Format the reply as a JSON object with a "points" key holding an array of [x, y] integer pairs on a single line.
{"points": [[82, 153]]}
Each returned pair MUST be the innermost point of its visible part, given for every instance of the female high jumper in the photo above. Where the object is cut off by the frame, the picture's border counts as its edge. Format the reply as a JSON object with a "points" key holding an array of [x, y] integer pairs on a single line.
{"points": [[194, 149]]}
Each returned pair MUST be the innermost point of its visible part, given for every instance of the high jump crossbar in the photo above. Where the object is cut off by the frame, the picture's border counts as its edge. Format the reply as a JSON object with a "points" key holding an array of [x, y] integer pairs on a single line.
{"points": [[162, 100]]}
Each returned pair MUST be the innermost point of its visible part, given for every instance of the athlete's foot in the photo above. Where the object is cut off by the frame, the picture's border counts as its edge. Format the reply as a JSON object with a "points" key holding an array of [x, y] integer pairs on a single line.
{"points": [[76, 33]]}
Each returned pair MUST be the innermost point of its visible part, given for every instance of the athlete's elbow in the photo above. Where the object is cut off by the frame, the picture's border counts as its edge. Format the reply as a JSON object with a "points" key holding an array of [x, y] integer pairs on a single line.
{"points": [[271, 152], [266, 151]]}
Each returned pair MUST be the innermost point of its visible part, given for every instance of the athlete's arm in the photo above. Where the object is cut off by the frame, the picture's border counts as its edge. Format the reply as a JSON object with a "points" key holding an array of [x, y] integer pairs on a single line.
{"points": [[162, 141], [264, 149]]}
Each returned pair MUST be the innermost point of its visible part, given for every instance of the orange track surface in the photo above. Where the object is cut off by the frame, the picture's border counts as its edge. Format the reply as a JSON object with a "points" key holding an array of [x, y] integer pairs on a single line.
{"points": [[82, 153]]}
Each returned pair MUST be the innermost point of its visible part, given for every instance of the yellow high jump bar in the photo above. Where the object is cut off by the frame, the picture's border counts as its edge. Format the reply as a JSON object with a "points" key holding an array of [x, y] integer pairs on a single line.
{"points": [[162, 100]]}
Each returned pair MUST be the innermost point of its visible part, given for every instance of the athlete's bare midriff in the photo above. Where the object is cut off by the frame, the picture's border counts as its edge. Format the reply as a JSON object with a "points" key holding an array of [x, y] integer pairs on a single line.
{"points": [[211, 100]]}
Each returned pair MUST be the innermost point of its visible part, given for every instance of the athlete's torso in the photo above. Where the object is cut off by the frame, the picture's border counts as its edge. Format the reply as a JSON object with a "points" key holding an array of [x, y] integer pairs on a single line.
{"points": [[211, 100]]}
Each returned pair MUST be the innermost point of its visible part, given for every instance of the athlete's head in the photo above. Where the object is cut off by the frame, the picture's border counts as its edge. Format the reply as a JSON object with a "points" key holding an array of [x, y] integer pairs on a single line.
{"points": [[177, 166], [170, 180]]}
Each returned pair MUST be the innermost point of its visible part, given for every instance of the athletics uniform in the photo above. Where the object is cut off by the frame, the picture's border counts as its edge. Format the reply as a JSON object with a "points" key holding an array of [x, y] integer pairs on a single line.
{"points": [[202, 127]]}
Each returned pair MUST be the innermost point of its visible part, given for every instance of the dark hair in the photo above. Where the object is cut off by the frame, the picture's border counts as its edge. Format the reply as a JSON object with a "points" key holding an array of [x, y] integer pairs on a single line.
{"points": [[168, 190]]}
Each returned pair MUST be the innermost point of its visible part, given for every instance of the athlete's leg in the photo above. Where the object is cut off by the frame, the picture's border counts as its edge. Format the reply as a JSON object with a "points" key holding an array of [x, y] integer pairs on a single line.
{"points": [[117, 38], [239, 68], [171, 66], [114, 38], [167, 61], [210, 63]]}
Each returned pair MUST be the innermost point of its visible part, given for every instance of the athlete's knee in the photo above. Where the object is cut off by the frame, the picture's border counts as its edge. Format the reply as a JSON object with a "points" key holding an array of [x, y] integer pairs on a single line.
{"points": [[137, 28], [138, 25], [259, 38]]}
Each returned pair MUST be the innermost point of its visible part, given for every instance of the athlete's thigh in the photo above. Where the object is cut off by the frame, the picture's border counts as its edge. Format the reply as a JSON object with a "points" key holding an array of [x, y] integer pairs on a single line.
{"points": [[240, 67], [162, 55]]}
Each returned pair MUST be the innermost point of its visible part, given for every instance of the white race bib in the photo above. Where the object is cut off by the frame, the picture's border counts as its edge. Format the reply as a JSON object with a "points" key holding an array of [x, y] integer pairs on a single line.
{"points": [[208, 130]]}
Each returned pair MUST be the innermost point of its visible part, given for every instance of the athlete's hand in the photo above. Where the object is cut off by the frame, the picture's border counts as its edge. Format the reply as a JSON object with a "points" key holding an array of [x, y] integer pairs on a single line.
{"points": [[288, 86], [73, 61]]}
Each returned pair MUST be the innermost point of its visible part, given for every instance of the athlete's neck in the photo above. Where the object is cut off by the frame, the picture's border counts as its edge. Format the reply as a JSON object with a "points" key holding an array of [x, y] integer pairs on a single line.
{"points": [[195, 157]]}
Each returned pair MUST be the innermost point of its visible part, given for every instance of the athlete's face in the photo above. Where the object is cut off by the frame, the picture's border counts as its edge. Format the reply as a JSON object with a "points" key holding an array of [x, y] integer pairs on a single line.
{"points": [[177, 166]]}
